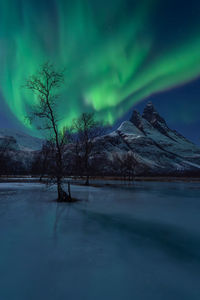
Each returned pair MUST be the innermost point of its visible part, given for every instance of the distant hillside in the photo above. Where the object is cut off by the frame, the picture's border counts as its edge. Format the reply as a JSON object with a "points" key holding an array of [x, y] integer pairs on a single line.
{"points": [[156, 148], [20, 140]]}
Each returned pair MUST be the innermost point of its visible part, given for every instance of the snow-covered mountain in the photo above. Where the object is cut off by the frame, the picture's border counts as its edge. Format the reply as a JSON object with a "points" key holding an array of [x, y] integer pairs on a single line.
{"points": [[20, 141], [153, 144], [156, 148]]}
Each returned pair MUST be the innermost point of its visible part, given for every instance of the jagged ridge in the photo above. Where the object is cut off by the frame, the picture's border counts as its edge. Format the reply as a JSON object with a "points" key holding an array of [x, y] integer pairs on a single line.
{"points": [[158, 149], [149, 138]]}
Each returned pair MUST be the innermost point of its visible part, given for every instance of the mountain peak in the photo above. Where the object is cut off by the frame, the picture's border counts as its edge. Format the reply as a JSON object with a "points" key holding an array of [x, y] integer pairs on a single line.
{"points": [[136, 119], [151, 114]]}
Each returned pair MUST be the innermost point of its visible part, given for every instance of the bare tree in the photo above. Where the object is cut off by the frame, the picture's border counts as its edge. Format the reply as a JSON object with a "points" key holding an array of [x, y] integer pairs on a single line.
{"points": [[5, 159], [86, 129], [125, 164], [130, 163], [45, 84], [117, 164], [43, 160]]}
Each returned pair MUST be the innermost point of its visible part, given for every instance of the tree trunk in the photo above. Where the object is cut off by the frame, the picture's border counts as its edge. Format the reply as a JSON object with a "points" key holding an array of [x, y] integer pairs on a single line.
{"points": [[62, 195], [87, 180], [69, 190]]}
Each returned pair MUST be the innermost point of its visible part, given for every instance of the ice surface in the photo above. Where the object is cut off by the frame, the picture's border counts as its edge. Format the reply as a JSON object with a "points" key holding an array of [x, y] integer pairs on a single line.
{"points": [[139, 241]]}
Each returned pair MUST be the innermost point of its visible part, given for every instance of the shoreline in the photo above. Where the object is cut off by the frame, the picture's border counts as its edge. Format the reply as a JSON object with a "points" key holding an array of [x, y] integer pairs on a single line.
{"points": [[31, 179]]}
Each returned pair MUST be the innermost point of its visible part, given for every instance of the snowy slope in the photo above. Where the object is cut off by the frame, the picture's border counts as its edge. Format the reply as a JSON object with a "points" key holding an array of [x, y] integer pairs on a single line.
{"points": [[157, 148], [24, 142], [154, 144]]}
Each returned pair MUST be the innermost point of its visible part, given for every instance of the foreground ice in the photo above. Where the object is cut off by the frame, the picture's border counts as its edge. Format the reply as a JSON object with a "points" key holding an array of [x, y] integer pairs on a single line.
{"points": [[126, 242]]}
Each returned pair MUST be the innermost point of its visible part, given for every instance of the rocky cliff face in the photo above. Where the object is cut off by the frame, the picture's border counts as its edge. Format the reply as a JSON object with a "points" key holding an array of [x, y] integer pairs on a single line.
{"points": [[157, 147]]}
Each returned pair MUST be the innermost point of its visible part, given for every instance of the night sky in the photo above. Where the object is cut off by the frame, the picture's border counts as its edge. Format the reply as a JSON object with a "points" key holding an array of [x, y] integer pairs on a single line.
{"points": [[118, 55]]}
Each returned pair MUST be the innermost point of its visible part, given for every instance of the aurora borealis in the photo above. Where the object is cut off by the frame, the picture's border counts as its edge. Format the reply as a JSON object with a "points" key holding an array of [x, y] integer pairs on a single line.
{"points": [[116, 53]]}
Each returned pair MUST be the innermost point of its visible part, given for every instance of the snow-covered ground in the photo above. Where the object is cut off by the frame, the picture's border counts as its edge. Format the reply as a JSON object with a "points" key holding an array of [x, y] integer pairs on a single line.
{"points": [[126, 242]]}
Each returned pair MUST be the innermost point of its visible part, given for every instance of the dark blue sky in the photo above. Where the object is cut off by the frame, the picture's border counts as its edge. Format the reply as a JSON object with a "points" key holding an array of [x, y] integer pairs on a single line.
{"points": [[179, 106], [172, 21]]}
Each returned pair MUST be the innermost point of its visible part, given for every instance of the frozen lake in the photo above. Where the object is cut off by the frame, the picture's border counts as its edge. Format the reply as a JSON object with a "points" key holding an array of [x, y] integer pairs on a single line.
{"points": [[137, 242]]}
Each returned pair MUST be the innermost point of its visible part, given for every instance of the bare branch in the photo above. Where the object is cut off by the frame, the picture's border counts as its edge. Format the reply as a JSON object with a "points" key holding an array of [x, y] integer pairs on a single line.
{"points": [[45, 84]]}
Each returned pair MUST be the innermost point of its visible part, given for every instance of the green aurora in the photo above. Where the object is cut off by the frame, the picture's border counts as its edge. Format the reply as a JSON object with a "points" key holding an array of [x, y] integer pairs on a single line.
{"points": [[116, 53]]}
